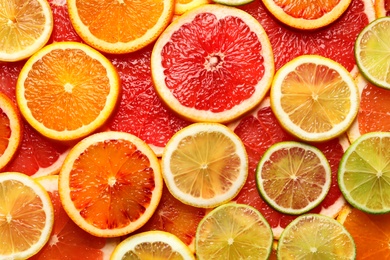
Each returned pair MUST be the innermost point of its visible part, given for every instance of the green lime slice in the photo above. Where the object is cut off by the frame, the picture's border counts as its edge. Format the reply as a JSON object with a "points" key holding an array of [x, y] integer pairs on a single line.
{"points": [[293, 177], [233, 231], [364, 173], [315, 236], [372, 52], [233, 2]]}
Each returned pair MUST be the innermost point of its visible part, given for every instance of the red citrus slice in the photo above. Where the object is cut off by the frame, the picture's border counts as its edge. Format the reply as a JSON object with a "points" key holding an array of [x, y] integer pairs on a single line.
{"points": [[335, 41], [67, 240], [374, 110], [212, 64], [175, 217], [259, 131], [140, 112]]}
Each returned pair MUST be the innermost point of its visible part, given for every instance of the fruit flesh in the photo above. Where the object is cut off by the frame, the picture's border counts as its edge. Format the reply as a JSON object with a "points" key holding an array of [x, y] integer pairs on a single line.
{"points": [[5, 132]]}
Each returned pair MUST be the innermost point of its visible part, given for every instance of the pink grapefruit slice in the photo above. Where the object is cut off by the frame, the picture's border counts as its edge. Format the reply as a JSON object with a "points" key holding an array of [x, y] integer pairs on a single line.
{"points": [[212, 64]]}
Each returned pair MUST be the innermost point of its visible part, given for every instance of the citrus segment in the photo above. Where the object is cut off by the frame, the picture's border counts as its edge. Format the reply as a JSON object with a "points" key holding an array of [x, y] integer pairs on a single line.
{"points": [[364, 173], [314, 98], [67, 90], [204, 165], [370, 232], [307, 15], [334, 41], [26, 216], [175, 217], [154, 123], [110, 184], [25, 27], [120, 26], [313, 236], [374, 110], [182, 6], [233, 231], [67, 240], [212, 64], [382, 8], [152, 245], [10, 129], [293, 177], [372, 52]]}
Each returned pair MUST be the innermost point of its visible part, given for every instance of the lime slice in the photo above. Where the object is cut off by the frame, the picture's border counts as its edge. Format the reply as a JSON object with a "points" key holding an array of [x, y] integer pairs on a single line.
{"points": [[364, 173], [233, 231], [293, 177], [372, 52], [314, 236], [233, 2]]}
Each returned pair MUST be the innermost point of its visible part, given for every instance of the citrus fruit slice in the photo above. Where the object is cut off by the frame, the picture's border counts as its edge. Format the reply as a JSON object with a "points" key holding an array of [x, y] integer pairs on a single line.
{"points": [[152, 245], [334, 41], [67, 240], [259, 131], [382, 8], [364, 173], [204, 165], [10, 129], [374, 110], [110, 184], [232, 2], [371, 232], [25, 27], [120, 26], [139, 110], [372, 51], [26, 216], [67, 90], [293, 177], [233, 231], [212, 64], [314, 236], [307, 15], [182, 6], [175, 217], [314, 98]]}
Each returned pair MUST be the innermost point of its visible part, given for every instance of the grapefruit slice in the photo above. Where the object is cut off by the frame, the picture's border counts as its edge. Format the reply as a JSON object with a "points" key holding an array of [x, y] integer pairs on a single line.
{"points": [[26, 216], [374, 110], [334, 41], [175, 217], [259, 131], [10, 129], [212, 64], [67, 240], [110, 184], [154, 123]]}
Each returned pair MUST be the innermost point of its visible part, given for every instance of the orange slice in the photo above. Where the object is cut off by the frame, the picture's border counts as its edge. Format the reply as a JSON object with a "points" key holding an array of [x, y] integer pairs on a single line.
{"points": [[214, 63], [303, 14], [120, 26], [67, 240], [182, 6], [382, 8], [67, 90], [10, 130], [110, 184], [25, 27], [26, 216]]}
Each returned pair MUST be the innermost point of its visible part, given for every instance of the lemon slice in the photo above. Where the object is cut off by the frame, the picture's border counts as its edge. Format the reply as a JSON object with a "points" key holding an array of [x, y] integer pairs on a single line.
{"points": [[233, 231], [204, 165]]}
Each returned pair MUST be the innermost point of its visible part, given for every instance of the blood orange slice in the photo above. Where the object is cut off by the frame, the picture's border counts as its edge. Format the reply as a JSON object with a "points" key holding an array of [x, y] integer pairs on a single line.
{"points": [[110, 184], [67, 240], [335, 41], [154, 123], [213, 64], [374, 110], [258, 131]]}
